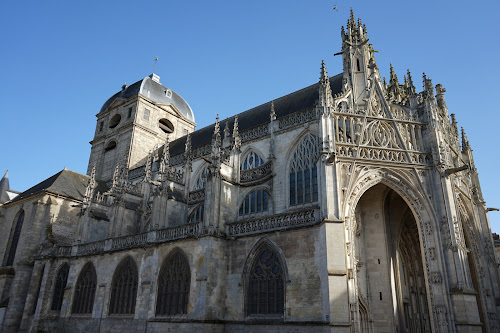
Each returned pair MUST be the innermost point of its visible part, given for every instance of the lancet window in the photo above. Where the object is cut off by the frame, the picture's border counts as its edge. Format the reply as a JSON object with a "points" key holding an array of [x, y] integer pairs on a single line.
{"points": [[124, 288], [303, 176], [60, 285], [255, 203], [173, 285], [266, 288], [251, 160], [83, 301], [15, 239]]}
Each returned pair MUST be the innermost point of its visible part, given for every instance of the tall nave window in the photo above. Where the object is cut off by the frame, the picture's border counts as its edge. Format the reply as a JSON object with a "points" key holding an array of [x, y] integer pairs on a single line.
{"points": [[304, 172]]}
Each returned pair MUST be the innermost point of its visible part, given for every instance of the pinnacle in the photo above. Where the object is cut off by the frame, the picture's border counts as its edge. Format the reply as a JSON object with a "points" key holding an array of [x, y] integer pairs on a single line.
{"points": [[324, 73]]}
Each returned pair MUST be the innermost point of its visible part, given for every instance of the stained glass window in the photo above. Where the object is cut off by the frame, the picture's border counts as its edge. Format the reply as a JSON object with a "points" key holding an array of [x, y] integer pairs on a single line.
{"points": [[83, 301], [201, 181], [173, 285], [251, 160], [303, 177], [61, 280], [266, 292], [124, 288], [15, 239], [255, 203]]}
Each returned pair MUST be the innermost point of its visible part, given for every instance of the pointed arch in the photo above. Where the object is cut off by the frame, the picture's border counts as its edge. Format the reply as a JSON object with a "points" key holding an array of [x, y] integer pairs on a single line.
{"points": [[124, 287], [85, 288], [256, 202], [252, 158], [200, 181], [60, 285], [303, 171], [265, 275], [14, 238], [174, 282], [419, 209]]}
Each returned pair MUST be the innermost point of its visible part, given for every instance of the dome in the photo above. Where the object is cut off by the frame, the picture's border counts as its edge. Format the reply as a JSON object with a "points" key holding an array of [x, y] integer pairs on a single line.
{"points": [[151, 88]]}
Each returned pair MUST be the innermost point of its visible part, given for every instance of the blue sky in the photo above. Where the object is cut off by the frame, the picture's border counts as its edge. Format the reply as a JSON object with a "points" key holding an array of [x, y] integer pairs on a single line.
{"points": [[61, 60]]}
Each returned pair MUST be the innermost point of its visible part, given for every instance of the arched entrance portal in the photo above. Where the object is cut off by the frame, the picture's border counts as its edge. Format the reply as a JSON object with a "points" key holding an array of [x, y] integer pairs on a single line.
{"points": [[390, 272]]}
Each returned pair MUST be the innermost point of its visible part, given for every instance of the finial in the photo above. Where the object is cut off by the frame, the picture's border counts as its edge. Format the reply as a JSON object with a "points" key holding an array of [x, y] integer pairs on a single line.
{"points": [[187, 153]]}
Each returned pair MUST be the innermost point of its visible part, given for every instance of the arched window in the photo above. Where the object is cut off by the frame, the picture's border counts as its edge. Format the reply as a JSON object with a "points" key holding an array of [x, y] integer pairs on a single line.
{"points": [[201, 181], [197, 214], [266, 287], [173, 285], [251, 160], [15, 239], [255, 202], [83, 301], [124, 288], [61, 280], [304, 172]]}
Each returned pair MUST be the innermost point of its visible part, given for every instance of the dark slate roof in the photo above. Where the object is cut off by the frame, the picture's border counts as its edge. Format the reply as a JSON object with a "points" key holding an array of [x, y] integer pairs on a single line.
{"points": [[157, 94], [283, 106], [66, 182]]}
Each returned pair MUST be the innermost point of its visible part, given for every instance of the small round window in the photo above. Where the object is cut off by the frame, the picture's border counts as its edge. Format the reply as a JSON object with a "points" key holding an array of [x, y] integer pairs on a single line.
{"points": [[115, 121], [165, 125], [110, 146]]}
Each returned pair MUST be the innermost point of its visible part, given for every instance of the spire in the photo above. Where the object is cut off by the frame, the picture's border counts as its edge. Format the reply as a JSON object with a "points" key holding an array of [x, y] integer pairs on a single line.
{"points": [[465, 141], [393, 90], [236, 134], [4, 187]]}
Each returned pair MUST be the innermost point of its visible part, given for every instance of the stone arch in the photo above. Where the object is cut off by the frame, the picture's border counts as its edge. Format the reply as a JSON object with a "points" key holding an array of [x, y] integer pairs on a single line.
{"points": [[294, 196], [242, 197], [257, 249], [173, 284], [59, 286], [15, 235], [124, 287], [85, 290], [198, 182], [419, 209], [249, 150]]}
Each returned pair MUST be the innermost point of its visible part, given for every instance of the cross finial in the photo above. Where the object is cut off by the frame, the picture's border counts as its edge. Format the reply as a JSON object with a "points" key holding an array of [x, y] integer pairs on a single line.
{"points": [[155, 66]]}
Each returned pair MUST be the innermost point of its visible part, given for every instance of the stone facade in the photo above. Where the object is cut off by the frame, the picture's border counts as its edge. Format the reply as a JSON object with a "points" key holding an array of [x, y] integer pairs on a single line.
{"points": [[352, 205]]}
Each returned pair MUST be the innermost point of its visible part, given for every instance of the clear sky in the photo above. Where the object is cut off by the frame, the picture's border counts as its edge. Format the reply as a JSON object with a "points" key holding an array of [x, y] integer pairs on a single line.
{"points": [[61, 60]]}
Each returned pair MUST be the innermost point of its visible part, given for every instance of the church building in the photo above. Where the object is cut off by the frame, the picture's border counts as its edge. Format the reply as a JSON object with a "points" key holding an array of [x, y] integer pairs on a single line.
{"points": [[351, 205]]}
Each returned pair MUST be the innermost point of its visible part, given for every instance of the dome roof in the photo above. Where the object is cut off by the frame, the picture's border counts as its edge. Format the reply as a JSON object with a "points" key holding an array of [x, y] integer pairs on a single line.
{"points": [[151, 88]]}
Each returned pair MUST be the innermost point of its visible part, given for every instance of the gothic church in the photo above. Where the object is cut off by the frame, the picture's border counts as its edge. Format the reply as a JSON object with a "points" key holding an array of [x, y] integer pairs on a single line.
{"points": [[352, 205]]}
